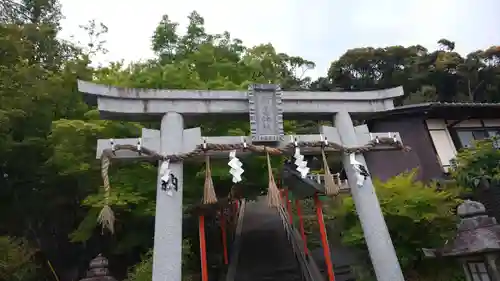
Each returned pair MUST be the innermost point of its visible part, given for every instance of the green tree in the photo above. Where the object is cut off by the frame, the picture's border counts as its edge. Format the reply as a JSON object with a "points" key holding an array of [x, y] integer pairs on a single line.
{"points": [[417, 215], [476, 170], [16, 260], [476, 163], [454, 78], [37, 85]]}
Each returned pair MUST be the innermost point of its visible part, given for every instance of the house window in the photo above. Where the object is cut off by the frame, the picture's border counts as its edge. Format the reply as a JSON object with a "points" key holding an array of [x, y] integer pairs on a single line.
{"points": [[448, 140], [478, 271], [465, 137]]}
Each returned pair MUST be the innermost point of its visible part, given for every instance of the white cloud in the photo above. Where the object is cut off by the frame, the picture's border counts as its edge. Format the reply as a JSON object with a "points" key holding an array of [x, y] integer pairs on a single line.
{"points": [[318, 30]]}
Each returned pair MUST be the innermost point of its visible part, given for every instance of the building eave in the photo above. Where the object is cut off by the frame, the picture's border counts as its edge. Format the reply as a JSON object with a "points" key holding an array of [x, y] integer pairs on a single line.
{"points": [[440, 110]]}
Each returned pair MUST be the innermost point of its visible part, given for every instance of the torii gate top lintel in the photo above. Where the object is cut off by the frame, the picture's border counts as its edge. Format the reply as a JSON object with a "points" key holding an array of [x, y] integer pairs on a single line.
{"points": [[119, 103]]}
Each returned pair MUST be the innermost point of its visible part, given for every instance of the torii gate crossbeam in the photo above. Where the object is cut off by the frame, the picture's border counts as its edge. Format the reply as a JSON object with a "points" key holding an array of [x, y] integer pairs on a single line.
{"points": [[119, 103]]}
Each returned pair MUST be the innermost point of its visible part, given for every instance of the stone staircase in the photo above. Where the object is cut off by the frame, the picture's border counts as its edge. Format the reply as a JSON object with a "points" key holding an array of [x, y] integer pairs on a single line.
{"points": [[265, 253]]}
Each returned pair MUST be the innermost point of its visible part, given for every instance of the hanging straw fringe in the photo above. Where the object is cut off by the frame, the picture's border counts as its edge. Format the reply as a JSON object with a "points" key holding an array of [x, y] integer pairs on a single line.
{"points": [[337, 201], [106, 217], [273, 194], [209, 196], [337, 179], [332, 188]]}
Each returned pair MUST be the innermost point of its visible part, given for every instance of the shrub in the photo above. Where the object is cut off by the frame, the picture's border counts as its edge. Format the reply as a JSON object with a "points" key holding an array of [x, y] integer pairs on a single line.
{"points": [[16, 260], [143, 271], [418, 216], [480, 161]]}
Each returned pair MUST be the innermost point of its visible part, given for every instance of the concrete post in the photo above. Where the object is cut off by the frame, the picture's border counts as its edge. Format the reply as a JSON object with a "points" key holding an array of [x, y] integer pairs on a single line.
{"points": [[167, 258], [382, 252]]}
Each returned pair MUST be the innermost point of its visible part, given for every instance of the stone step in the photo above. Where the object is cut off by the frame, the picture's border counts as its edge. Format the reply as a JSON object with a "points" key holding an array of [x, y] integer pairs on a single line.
{"points": [[265, 254]]}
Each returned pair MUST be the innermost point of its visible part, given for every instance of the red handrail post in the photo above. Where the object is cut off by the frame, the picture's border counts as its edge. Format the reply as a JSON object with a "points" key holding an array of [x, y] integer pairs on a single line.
{"points": [[224, 235], [324, 239], [203, 249], [289, 206], [301, 224]]}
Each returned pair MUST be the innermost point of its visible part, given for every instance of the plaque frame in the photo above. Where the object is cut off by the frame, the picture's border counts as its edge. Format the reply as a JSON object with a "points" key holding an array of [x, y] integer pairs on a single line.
{"points": [[275, 110]]}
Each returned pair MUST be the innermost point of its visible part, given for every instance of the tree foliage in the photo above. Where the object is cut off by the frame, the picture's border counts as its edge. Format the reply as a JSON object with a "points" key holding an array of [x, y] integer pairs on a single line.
{"points": [[143, 271], [16, 260], [417, 216], [476, 163], [440, 75], [48, 130]]}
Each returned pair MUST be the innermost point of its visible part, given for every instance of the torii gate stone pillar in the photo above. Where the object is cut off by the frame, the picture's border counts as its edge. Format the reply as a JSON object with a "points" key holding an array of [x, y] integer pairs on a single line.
{"points": [[265, 105], [384, 259], [167, 253]]}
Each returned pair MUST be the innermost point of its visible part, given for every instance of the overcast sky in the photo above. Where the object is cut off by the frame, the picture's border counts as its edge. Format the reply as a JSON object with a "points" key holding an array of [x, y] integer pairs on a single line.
{"points": [[317, 30]]}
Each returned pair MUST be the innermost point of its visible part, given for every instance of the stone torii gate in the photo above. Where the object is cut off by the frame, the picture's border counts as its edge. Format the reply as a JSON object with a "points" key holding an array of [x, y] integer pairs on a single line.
{"points": [[265, 105]]}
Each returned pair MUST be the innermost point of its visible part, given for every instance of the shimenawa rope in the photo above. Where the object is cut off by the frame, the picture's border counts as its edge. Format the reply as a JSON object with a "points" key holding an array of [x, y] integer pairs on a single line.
{"points": [[106, 217]]}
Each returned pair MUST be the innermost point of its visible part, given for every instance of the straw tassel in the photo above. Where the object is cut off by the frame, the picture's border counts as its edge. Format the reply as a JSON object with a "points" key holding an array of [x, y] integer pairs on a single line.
{"points": [[106, 217], [273, 194], [338, 180], [332, 188], [337, 200], [209, 196]]}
